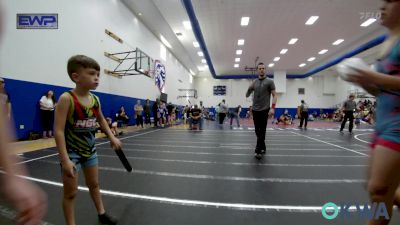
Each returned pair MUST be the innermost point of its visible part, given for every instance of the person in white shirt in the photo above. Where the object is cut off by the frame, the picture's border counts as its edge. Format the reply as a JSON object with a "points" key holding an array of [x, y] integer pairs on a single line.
{"points": [[47, 106], [138, 113]]}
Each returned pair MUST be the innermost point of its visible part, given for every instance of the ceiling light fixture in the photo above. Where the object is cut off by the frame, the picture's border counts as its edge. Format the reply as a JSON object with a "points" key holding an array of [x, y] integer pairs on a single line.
{"points": [[276, 59], [196, 44], [293, 41], [311, 59], [241, 42], [237, 59], [283, 51], [338, 42], [244, 21], [312, 20], [200, 54], [368, 22], [323, 51], [302, 65], [239, 52], [187, 25], [236, 65], [271, 65]]}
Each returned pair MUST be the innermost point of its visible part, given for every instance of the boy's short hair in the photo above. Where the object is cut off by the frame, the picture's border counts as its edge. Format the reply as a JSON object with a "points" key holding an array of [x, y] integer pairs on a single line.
{"points": [[77, 62]]}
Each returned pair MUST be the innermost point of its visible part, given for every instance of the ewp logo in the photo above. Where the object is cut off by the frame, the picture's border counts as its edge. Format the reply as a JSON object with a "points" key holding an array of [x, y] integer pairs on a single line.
{"points": [[374, 212], [37, 21]]}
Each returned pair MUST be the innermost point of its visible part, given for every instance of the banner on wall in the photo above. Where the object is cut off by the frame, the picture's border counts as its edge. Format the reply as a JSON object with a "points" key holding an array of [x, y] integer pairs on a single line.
{"points": [[220, 90], [159, 74], [37, 21]]}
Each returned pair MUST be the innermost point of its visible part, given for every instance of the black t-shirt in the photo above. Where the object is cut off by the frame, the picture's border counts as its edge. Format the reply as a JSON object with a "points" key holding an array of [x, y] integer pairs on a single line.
{"points": [[155, 107], [170, 108], [195, 112]]}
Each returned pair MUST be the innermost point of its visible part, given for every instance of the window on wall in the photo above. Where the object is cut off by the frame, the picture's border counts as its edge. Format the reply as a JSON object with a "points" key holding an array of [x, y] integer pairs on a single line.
{"points": [[301, 91]]}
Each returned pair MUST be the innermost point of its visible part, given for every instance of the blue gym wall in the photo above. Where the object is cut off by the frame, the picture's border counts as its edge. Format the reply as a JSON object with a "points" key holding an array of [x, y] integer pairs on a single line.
{"points": [[25, 98]]}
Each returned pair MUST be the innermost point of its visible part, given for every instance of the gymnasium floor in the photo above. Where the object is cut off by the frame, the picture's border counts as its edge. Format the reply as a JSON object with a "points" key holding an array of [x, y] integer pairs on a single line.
{"points": [[211, 177]]}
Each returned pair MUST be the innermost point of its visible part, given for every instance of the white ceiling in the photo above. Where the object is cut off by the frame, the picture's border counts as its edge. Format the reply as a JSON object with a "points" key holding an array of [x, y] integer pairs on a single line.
{"points": [[272, 24]]}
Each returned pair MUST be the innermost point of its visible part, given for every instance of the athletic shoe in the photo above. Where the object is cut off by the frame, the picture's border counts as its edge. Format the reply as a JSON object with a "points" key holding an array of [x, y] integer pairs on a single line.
{"points": [[105, 219], [263, 151], [258, 156]]}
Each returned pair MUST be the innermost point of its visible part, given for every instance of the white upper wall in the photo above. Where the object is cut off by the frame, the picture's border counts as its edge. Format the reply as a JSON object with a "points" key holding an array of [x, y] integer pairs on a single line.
{"points": [[41, 55], [316, 95]]}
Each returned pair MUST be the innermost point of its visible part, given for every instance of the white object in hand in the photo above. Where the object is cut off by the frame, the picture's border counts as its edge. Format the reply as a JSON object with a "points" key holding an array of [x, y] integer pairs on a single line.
{"points": [[348, 67]]}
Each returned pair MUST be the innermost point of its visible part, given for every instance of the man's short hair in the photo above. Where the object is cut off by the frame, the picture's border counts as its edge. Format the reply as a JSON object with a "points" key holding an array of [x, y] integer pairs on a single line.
{"points": [[77, 62], [260, 64]]}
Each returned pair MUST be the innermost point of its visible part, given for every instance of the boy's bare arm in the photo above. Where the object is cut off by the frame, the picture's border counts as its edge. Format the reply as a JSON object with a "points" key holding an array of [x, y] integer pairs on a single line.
{"points": [[6, 161], [59, 126]]}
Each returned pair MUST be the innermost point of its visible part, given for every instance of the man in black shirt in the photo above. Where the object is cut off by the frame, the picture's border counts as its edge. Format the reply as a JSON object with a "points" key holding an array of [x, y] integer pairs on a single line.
{"points": [[195, 117], [147, 110], [155, 110]]}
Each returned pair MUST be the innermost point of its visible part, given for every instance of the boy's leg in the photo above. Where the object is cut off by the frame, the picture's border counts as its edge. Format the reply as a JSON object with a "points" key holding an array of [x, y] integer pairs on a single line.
{"points": [[384, 179], [70, 190], [92, 182], [190, 122]]}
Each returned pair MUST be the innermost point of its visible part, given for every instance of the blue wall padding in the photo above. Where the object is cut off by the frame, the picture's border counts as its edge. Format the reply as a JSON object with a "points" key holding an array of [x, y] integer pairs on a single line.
{"points": [[25, 98]]}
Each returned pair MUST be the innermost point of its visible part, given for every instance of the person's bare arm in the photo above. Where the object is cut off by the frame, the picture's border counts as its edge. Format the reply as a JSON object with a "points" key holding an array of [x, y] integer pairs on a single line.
{"points": [[372, 78], [8, 109], [274, 100], [25, 196], [250, 90]]}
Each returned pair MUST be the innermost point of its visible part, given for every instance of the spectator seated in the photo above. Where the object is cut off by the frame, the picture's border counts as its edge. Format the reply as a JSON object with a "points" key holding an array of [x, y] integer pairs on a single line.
{"points": [[285, 119]]}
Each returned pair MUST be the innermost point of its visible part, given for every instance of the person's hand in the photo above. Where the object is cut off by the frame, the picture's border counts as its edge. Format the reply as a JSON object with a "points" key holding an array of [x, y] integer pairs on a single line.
{"points": [[363, 77], [27, 198], [68, 168], [271, 113], [115, 143]]}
